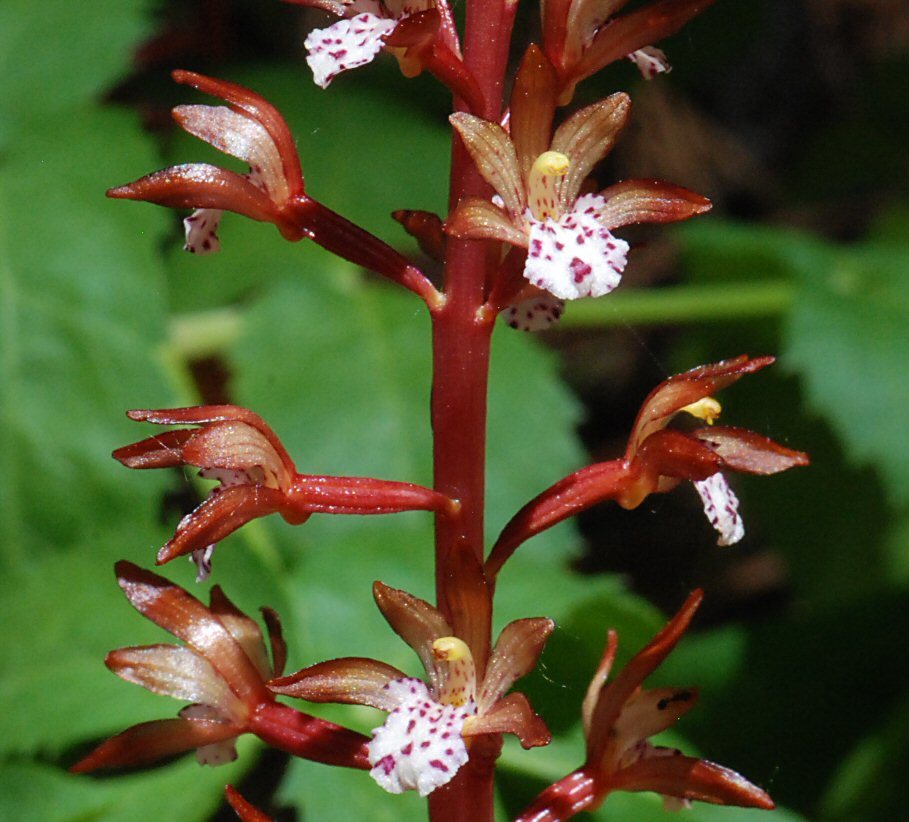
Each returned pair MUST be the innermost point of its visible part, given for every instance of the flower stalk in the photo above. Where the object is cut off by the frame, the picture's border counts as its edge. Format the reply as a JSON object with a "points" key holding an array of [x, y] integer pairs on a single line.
{"points": [[524, 232]]}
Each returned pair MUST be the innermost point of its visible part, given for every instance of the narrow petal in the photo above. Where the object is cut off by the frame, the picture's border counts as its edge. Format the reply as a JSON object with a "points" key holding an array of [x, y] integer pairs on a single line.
{"points": [[650, 62], [173, 609], [222, 513], [350, 681], [536, 313], [202, 414], [241, 628], [684, 389], [586, 138], [275, 640], [689, 778], [151, 741], [588, 16], [476, 219], [598, 680], [670, 453], [345, 45], [532, 107], [174, 671], [515, 655], [199, 185], [240, 136], [639, 29], [648, 201], [163, 450], [743, 450], [201, 228], [648, 713], [420, 746], [415, 621], [614, 696], [511, 715], [576, 256], [722, 508], [259, 109], [493, 153], [470, 603]]}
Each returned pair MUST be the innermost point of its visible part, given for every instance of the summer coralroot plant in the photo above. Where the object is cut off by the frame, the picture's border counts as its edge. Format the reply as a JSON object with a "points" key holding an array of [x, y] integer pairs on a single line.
{"points": [[527, 229]]}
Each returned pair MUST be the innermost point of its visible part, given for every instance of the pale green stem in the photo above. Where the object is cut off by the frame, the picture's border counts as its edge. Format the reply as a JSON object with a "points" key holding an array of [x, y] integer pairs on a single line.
{"points": [[679, 304]]}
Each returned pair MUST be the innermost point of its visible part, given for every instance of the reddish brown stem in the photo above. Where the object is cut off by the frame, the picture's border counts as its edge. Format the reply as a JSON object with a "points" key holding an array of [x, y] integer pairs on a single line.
{"points": [[470, 794], [461, 341], [564, 799], [308, 736], [346, 239]]}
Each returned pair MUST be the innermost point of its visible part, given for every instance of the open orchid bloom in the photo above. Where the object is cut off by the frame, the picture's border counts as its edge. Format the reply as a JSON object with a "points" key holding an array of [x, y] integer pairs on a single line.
{"points": [[426, 738], [248, 128], [538, 179], [421, 34], [582, 36], [658, 458], [256, 477], [619, 718], [221, 670]]}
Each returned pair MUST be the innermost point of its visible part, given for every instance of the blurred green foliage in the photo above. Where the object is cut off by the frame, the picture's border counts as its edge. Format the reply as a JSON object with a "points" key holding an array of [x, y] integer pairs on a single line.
{"points": [[99, 312]]}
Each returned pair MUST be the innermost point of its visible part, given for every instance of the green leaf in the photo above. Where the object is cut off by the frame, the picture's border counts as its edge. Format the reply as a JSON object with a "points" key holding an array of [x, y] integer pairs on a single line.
{"points": [[43, 65], [319, 789], [82, 316], [180, 791], [871, 782], [849, 338]]}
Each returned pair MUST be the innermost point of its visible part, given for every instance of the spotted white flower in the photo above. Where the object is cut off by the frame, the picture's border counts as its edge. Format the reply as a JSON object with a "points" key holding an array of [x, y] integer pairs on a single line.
{"points": [[583, 36], [345, 45], [359, 35], [538, 177], [650, 61], [420, 747], [722, 508], [535, 313], [571, 253], [256, 477], [658, 458], [201, 227], [423, 742]]}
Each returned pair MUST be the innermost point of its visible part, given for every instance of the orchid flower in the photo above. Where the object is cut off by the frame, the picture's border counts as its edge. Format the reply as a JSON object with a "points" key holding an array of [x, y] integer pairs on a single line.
{"points": [[430, 727], [582, 36], [419, 33], [256, 477], [252, 130], [657, 459], [619, 718], [221, 670], [571, 251]]}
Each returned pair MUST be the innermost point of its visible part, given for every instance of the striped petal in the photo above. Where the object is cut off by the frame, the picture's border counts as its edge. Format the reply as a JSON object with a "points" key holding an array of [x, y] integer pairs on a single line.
{"points": [[494, 155]]}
